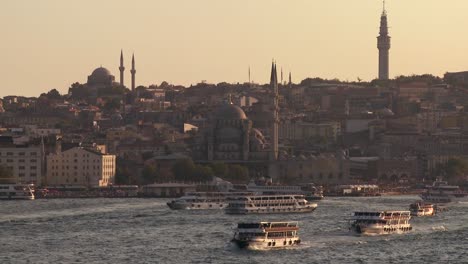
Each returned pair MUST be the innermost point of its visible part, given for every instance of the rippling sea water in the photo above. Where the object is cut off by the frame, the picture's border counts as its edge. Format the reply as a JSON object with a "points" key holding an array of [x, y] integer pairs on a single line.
{"points": [[147, 231]]}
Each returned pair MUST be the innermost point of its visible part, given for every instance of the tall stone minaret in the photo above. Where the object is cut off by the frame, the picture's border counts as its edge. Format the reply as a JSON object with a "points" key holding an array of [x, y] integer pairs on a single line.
{"points": [[274, 113], [383, 44], [133, 71], [121, 69]]}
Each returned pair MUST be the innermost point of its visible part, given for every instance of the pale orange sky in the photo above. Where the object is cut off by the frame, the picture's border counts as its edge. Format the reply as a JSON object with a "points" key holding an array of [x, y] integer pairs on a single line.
{"points": [[52, 43]]}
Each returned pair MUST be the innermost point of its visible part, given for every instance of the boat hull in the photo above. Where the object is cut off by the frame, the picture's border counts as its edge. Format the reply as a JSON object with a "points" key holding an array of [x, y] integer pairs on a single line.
{"points": [[18, 198], [196, 206], [381, 230], [267, 243], [266, 210], [443, 199]]}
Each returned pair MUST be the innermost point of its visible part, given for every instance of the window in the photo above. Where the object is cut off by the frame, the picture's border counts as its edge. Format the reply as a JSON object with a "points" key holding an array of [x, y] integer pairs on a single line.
{"points": [[33, 174], [9, 153], [21, 160], [9, 160], [33, 153], [20, 174], [21, 167], [33, 167], [35, 160], [21, 153]]}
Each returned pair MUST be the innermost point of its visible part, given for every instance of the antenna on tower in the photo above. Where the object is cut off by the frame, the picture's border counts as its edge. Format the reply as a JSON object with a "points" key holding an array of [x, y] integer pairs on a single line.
{"points": [[384, 11], [249, 75]]}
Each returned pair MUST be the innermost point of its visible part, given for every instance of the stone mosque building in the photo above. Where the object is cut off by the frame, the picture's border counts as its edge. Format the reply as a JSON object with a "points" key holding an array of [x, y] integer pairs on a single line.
{"points": [[231, 137], [101, 78]]}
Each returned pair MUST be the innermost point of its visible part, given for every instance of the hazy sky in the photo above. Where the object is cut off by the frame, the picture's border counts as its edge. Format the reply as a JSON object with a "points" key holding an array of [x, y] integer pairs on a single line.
{"points": [[49, 44]]}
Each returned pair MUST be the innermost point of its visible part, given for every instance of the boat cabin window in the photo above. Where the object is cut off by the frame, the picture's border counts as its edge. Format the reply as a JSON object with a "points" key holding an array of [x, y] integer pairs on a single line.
{"points": [[248, 225]]}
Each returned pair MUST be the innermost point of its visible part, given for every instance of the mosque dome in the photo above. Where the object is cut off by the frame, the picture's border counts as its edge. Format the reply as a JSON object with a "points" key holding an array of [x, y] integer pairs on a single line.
{"points": [[101, 75], [229, 111], [101, 72]]}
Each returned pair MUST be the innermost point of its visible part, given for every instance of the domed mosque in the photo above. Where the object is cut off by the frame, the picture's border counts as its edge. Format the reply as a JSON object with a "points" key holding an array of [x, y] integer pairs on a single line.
{"points": [[231, 138], [101, 77]]}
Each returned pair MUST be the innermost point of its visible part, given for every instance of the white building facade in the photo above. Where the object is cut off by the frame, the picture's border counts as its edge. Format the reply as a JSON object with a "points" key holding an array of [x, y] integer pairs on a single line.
{"points": [[24, 162], [82, 167]]}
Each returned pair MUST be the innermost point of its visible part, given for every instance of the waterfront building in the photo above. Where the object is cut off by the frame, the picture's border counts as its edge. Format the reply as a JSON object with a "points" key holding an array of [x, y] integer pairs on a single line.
{"points": [[24, 161], [300, 131], [80, 166]]}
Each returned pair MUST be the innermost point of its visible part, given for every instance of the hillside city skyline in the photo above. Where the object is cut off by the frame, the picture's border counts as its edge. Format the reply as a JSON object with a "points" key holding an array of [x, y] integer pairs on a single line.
{"points": [[208, 57]]}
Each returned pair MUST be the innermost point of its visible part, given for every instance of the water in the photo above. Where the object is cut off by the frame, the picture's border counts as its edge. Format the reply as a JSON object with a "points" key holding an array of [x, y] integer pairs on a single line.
{"points": [[146, 231]]}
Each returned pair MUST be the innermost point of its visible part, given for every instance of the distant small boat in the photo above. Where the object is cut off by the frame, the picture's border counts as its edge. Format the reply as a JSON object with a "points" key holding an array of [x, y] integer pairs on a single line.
{"points": [[266, 235], [422, 209], [16, 192], [441, 192]]}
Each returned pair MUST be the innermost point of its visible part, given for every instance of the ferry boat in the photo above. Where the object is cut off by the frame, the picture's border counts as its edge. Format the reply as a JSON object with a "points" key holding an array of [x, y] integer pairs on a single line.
{"points": [[422, 209], [310, 191], [379, 223], [441, 192], [266, 235], [203, 200], [16, 192], [268, 204]]}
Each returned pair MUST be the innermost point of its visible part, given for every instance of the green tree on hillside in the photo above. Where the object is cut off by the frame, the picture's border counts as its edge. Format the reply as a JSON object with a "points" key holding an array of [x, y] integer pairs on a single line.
{"points": [[150, 174]]}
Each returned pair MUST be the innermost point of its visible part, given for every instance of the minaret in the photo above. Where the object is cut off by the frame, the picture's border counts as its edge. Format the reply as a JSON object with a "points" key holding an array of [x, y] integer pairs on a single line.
{"points": [[133, 71], [274, 113], [290, 81], [383, 44], [121, 69]]}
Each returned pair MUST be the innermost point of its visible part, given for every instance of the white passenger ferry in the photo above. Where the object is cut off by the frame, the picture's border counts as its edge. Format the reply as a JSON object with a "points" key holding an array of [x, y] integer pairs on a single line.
{"points": [[266, 235], [379, 223], [16, 192], [441, 192], [203, 200], [310, 191], [264, 204], [422, 209]]}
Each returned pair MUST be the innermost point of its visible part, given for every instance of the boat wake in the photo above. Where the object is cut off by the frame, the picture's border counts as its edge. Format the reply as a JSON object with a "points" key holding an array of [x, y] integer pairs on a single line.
{"points": [[439, 228]]}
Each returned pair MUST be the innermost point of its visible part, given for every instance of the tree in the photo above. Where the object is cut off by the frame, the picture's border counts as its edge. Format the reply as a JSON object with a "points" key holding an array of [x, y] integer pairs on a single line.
{"points": [[219, 169], [237, 174], [149, 174], [455, 169], [122, 175], [54, 95], [6, 175], [183, 169], [202, 174]]}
